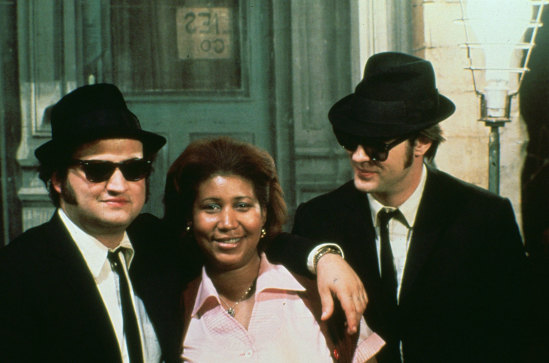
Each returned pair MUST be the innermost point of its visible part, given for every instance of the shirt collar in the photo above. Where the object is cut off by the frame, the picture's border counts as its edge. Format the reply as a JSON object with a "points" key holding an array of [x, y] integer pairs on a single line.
{"points": [[408, 208], [93, 251], [270, 277]]}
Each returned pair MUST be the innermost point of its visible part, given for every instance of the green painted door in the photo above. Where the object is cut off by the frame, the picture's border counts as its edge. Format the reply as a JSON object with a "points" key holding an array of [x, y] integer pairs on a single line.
{"points": [[188, 69]]}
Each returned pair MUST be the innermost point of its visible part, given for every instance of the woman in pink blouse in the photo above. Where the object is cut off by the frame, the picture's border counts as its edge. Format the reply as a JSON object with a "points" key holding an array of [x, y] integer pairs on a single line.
{"points": [[227, 196]]}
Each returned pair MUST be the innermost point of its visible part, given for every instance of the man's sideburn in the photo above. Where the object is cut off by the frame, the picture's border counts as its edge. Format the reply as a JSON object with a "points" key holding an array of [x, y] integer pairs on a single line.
{"points": [[409, 154], [67, 193]]}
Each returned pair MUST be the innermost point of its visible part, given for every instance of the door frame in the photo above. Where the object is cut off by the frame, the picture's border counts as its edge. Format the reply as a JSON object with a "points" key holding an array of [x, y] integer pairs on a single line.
{"points": [[46, 74]]}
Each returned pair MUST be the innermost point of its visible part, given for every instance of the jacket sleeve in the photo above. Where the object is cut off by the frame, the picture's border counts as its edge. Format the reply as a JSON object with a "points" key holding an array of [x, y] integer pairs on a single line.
{"points": [[508, 287], [301, 221], [16, 332], [291, 251]]}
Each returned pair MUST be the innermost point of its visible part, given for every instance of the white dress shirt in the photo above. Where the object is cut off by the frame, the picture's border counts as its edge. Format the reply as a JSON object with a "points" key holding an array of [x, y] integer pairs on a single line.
{"points": [[400, 229], [95, 255]]}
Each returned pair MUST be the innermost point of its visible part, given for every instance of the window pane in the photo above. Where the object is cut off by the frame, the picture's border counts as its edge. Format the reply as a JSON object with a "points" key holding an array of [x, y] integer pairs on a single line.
{"points": [[168, 45]]}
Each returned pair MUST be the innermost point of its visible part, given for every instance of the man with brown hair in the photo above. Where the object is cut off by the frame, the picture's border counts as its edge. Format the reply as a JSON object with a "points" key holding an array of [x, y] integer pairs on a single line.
{"points": [[442, 260]]}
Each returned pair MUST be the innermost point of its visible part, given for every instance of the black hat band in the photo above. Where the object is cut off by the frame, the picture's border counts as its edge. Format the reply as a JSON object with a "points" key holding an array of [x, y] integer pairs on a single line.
{"points": [[387, 111], [95, 122]]}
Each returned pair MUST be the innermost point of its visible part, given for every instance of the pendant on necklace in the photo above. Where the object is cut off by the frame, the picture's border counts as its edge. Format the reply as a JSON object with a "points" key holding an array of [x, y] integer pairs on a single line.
{"points": [[231, 312]]}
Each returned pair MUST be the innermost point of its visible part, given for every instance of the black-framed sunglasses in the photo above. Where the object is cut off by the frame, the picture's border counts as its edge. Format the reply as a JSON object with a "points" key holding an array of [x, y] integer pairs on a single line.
{"points": [[377, 150], [98, 171]]}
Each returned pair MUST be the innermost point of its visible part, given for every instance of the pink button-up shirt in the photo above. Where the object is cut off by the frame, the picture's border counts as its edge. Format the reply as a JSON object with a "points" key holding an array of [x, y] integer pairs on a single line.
{"points": [[281, 328]]}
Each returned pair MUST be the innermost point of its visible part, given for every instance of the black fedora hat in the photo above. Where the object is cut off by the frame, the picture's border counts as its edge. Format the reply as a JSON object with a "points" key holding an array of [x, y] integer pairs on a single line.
{"points": [[91, 113], [396, 97]]}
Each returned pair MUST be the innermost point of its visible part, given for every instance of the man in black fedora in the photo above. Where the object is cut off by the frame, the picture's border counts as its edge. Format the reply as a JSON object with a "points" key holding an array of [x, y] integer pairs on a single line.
{"points": [[65, 295], [442, 260]]}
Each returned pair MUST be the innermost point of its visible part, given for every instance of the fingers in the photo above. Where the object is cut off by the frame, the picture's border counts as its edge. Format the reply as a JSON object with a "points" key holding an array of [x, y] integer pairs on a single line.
{"points": [[327, 302], [352, 315], [354, 304], [361, 299], [337, 279]]}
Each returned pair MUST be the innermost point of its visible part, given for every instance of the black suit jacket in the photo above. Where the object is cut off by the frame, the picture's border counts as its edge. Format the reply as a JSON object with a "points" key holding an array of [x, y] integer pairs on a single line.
{"points": [[462, 295], [50, 308]]}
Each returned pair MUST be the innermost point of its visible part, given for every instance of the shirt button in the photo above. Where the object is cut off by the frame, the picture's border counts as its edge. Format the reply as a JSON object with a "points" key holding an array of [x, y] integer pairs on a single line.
{"points": [[248, 354]]}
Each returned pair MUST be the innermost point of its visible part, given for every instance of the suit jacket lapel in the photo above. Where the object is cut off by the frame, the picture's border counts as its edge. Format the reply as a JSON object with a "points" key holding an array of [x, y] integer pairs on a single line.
{"points": [[359, 215], [356, 214], [430, 219], [363, 256], [77, 283]]}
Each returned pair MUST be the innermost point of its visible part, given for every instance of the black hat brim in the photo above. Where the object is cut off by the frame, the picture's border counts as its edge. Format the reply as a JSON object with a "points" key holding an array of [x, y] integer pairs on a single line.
{"points": [[369, 121]]}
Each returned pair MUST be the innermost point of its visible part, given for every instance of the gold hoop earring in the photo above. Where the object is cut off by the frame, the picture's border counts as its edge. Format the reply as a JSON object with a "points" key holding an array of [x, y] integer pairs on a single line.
{"points": [[263, 233]]}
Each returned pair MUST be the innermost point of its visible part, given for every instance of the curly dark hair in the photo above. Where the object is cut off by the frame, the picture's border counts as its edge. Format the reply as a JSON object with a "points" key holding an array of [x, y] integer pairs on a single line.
{"points": [[205, 158]]}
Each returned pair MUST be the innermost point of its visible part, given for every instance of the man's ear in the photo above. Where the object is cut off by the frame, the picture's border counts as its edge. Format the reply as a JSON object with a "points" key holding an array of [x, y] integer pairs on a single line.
{"points": [[421, 145], [56, 183]]}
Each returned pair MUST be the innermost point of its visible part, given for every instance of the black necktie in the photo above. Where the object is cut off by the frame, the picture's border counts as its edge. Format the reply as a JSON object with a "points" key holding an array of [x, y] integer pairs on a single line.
{"points": [[131, 328], [388, 271], [391, 352]]}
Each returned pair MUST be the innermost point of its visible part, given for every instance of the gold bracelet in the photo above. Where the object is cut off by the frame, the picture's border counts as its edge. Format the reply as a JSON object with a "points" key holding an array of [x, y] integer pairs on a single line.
{"points": [[323, 251]]}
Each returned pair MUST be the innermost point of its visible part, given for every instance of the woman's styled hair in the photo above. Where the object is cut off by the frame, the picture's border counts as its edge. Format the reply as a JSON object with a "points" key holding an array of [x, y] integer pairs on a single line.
{"points": [[205, 158]]}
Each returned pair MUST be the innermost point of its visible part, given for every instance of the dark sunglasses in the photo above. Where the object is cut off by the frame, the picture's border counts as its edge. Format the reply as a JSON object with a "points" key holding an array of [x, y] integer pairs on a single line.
{"points": [[375, 149], [98, 171]]}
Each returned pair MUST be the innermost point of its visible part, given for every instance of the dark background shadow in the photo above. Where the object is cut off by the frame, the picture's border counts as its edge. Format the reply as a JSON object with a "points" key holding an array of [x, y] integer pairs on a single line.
{"points": [[534, 108]]}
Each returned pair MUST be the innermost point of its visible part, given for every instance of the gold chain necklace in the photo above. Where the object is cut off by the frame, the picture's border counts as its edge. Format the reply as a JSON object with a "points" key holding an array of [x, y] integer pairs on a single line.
{"points": [[246, 295]]}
